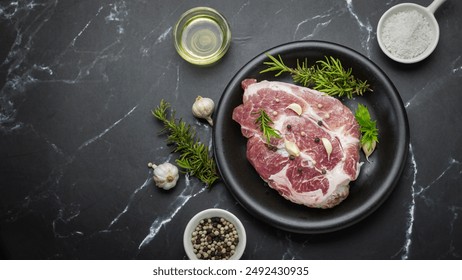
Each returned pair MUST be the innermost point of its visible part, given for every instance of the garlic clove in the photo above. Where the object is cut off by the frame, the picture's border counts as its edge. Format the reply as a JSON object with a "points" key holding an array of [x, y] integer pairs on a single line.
{"points": [[369, 148], [328, 146], [209, 120], [203, 108], [291, 148], [296, 108], [165, 175]]}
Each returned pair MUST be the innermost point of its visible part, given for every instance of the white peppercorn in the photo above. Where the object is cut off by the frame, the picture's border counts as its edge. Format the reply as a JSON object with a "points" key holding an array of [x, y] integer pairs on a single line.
{"points": [[214, 238]]}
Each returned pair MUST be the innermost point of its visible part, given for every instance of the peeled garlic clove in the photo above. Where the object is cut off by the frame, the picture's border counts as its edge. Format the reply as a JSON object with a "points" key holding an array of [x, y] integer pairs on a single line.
{"points": [[203, 108], [165, 175], [328, 146], [296, 108], [369, 148], [292, 148]]}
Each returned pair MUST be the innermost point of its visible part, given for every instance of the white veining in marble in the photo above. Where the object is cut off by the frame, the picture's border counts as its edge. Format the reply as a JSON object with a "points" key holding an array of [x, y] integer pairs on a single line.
{"points": [[146, 183], [190, 191], [364, 26], [457, 66], [163, 36], [411, 210], [323, 21], [17, 80], [85, 27], [452, 162], [452, 73], [430, 87], [177, 84], [294, 250], [147, 43], [455, 221], [241, 8], [97, 137], [318, 28], [119, 14], [65, 215], [278, 11], [366, 30], [418, 191], [22, 74]]}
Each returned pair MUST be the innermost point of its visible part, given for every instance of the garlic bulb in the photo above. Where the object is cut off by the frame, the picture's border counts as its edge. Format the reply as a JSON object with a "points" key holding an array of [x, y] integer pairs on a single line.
{"points": [[203, 108], [165, 175]]}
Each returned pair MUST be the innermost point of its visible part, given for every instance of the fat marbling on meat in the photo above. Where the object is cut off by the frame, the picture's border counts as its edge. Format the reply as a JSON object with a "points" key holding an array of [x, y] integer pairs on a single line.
{"points": [[315, 178]]}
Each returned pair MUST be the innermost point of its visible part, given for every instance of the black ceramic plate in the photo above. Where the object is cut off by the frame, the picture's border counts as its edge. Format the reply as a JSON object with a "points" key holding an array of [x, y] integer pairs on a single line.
{"points": [[377, 178]]}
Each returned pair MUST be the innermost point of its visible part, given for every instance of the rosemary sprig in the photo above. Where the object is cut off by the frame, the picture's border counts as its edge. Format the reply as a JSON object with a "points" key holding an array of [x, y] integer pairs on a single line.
{"points": [[327, 76], [265, 121], [330, 77], [194, 156]]}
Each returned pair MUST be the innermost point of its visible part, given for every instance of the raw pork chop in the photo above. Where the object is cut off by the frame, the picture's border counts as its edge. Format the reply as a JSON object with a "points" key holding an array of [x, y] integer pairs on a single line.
{"points": [[315, 177]]}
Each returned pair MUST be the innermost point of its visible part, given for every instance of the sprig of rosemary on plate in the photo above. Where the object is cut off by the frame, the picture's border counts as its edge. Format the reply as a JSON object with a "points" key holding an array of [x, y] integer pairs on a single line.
{"points": [[265, 121], [194, 156], [327, 76]]}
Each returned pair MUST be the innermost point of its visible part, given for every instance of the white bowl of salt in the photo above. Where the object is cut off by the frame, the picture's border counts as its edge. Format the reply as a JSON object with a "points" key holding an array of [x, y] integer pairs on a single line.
{"points": [[409, 33]]}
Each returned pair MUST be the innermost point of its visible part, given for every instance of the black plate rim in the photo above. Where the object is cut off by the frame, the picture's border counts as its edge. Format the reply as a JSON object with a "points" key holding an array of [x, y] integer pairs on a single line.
{"points": [[363, 210]]}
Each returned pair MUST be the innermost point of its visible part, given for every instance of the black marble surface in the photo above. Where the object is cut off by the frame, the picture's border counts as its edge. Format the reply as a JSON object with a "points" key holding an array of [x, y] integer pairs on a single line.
{"points": [[78, 81]]}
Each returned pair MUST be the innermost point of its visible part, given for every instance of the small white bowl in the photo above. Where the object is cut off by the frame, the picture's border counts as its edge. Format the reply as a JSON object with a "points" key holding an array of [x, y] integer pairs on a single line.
{"points": [[427, 12], [210, 213]]}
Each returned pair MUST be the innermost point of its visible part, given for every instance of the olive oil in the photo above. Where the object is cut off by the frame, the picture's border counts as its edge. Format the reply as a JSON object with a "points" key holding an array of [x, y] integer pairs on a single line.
{"points": [[202, 37]]}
